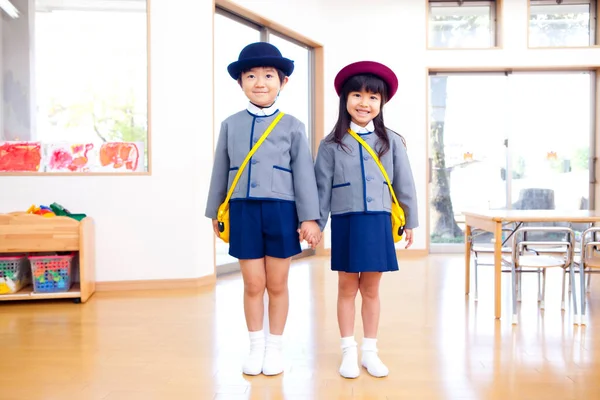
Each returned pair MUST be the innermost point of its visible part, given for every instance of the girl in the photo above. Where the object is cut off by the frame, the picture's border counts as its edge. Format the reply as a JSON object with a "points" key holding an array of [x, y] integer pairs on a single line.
{"points": [[274, 201], [353, 189]]}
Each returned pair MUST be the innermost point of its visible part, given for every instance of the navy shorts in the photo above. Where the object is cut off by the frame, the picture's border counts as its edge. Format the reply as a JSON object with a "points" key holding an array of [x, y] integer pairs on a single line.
{"points": [[362, 243], [262, 228]]}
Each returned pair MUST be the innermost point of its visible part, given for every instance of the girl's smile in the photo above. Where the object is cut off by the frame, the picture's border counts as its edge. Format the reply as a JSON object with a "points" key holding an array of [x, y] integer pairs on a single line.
{"points": [[363, 106]]}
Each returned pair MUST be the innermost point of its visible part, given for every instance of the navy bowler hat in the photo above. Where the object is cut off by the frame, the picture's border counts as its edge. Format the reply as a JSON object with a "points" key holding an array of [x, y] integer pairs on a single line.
{"points": [[367, 67], [260, 54]]}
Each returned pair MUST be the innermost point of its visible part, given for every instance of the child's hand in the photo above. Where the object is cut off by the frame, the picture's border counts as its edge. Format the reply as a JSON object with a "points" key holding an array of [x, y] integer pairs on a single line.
{"points": [[216, 227], [408, 234], [310, 231]]}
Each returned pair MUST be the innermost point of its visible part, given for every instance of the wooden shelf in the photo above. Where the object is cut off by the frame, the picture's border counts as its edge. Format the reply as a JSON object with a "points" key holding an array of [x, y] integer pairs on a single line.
{"points": [[27, 293], [29, 233]]}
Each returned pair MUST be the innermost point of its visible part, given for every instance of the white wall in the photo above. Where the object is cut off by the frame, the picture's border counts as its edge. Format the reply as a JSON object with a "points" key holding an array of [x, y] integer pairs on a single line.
{"points": [[151, 227]]}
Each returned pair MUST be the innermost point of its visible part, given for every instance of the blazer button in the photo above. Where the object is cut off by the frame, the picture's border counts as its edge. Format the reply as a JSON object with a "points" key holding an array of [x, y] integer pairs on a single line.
{"points": [[254, 162], [369, 178], [254, 184], [369, 199], [366, 158]]}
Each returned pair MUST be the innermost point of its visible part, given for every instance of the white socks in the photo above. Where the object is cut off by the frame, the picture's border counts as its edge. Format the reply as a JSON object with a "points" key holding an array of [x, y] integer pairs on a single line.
{"points": [[254, 362], [370, 360], [349, 367], [268, 358], [273, 363]]}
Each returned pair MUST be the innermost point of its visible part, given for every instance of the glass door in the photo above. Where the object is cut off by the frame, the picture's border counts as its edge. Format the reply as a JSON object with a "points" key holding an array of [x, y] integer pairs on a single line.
{"points": [[467, 151], [520, 140], [551, 129]]}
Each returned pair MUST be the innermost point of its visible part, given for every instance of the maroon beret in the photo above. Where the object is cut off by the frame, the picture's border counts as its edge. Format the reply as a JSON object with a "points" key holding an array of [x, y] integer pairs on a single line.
{"points": [[367, 67]]}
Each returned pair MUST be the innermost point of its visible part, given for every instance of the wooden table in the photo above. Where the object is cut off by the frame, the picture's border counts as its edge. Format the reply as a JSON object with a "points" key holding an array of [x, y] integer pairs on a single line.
{"points": [[493, 221]]}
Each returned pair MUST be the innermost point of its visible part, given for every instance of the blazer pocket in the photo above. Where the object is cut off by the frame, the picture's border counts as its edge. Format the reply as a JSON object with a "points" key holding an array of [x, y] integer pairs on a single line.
{"points": [[387, 197], [232, 173], [341, 197], [282, 181]]}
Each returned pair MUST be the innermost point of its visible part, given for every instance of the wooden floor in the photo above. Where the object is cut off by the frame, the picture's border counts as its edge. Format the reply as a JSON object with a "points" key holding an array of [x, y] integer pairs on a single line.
{"points": [[181, 345]]}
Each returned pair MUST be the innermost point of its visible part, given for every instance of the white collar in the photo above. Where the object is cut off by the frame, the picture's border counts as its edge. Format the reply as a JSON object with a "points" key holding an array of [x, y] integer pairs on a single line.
{"points": [[370, 128], [262, 112]]}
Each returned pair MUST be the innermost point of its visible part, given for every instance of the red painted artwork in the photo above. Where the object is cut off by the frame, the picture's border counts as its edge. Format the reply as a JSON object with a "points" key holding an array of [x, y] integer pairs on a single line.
{"points": [[120, 154], [72, 158], [20, 156]]}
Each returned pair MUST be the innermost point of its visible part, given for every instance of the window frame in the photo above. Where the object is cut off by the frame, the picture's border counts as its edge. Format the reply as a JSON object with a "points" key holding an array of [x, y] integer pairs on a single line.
{"points": [[593, 39], [495, 7], [265, 33]]}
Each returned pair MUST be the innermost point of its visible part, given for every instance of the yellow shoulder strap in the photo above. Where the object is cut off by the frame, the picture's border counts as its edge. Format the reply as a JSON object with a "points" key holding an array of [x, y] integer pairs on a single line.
{"points": [[250, 154], [372, 153]]}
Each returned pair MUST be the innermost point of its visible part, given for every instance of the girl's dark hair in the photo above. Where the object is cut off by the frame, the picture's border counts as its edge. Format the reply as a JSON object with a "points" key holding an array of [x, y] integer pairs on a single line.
{"points": [[357, 83]]}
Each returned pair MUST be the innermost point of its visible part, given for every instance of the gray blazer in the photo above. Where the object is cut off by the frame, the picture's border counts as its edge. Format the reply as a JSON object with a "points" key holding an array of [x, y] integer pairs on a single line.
{"points": [[349, 181], [282, 168]]}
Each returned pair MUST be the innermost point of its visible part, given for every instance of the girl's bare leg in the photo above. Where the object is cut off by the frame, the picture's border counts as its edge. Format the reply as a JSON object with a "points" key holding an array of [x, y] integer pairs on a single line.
{"points": [[348, 284], [369, 290]]}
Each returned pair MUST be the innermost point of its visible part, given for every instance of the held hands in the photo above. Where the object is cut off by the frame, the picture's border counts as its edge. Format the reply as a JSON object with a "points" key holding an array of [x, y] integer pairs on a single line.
{"points": [[216, 227], [310, 231], [408, 234]]}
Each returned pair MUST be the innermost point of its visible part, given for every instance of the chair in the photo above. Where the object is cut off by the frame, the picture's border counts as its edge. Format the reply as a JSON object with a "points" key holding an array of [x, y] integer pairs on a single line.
{"points": [[556, 251], [488, 248], [589, 263]]}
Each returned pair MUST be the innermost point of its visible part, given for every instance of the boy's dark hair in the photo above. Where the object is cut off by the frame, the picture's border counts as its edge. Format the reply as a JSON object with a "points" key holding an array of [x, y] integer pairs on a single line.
{"points": [[279, 73], [357, 83]]}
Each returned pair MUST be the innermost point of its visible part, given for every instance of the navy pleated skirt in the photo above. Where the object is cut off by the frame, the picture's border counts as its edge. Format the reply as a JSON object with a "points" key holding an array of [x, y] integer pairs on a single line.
{"points": [[362, 243], [261, 228]]}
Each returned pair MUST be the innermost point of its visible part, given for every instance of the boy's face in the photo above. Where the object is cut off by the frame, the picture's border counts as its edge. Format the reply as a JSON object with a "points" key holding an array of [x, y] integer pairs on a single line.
{"points": [[261, 85]]}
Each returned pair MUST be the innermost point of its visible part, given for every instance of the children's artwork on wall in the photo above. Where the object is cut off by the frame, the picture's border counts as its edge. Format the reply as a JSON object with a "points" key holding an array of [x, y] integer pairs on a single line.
{"points": [[61, 157], [121, 156], [20, 156], [65, 157]]}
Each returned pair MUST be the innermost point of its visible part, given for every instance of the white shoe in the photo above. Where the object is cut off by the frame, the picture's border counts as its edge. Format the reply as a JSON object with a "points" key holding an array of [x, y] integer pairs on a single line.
{"points": [[273, 362], [253, 363], [349, 367], [370, 359], [373, 364]]}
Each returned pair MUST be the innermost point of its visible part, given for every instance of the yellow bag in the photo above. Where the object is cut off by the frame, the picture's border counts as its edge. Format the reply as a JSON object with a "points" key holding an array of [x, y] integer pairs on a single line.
{"points": [[223, 213], [398, 217]]}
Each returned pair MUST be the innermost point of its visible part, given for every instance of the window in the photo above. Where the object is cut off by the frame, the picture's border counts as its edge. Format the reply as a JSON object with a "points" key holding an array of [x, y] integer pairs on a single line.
{"points": [[562, 23], [462, 24], [74, 78], [523, 138], [232, 33]]}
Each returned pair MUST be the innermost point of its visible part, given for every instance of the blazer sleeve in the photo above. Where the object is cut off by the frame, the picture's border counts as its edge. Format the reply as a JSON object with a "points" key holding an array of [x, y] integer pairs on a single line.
{"points": [[403, 182], [324, 170], [303, 175], [220, 176]]}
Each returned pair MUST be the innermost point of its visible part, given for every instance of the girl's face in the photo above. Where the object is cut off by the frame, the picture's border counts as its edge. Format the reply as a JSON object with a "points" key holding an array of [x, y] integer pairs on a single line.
{"points": [[261, 85], [363, 106]]}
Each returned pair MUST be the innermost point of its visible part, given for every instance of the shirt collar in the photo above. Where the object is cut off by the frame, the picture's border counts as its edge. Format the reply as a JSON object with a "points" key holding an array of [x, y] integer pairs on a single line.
{"points": [[370, 128], [262, 112]]}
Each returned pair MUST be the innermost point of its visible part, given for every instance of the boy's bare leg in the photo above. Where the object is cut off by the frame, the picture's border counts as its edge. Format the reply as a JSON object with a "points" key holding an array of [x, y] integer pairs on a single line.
{"points": [[277, 272], [254, 276]]}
